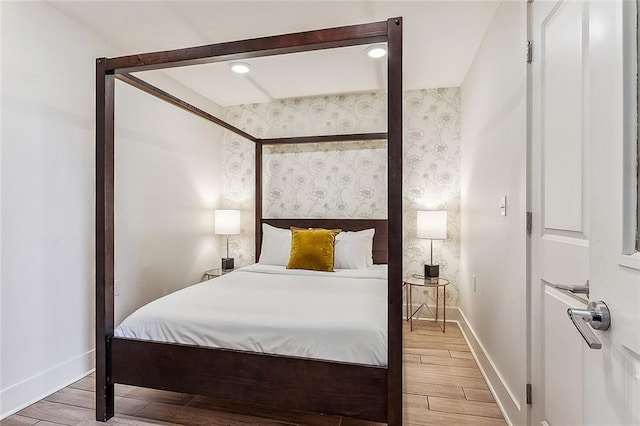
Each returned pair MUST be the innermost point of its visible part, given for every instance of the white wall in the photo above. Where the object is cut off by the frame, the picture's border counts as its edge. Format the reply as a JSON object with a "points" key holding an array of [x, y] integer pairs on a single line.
{"points": [[167, 185], [168, 181], [492, 165]]}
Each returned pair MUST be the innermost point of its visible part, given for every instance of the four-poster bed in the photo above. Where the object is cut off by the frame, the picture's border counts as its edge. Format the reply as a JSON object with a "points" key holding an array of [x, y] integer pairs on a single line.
{"points": [[347, 389]]}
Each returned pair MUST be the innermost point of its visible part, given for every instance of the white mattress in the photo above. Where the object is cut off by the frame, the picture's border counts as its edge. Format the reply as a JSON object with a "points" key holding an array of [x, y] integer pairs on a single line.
{"points": [[340, 316]]}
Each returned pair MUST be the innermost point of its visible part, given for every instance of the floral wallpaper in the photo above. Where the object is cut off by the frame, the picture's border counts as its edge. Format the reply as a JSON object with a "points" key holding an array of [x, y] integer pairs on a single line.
{"points": [[331, 180], [431, 179], [238, 192], [349, 179]]}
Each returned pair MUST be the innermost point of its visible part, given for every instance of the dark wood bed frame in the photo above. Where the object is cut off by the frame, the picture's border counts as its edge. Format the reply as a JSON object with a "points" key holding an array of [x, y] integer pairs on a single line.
{"points": [[337, 388]]}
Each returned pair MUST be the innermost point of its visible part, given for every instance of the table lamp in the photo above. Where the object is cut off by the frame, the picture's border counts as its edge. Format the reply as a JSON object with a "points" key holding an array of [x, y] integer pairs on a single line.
{"points": [[227, 222], [432, 225]]}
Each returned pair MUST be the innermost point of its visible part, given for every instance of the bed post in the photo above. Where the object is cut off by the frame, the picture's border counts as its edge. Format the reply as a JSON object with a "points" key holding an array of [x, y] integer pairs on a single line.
{"points": [[258, 201], [104, 238], [394, 170]]}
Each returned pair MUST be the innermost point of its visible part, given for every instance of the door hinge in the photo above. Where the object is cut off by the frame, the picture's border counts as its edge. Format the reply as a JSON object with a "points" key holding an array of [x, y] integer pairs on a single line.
{"points": [[529, 223], [529, 393], [529, 52]]}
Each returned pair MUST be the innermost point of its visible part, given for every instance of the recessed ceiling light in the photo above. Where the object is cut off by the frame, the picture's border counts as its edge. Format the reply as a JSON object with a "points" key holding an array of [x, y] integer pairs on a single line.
{"points": [[376, 51], [240, 67]]}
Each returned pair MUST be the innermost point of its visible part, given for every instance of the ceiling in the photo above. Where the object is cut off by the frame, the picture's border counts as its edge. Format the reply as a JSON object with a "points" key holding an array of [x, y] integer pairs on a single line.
{"points": [[440, 41]]}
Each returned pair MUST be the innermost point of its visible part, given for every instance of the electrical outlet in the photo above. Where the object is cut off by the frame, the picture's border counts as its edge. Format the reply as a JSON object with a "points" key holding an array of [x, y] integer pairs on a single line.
{"points": [[116, 288], [474, 283]]}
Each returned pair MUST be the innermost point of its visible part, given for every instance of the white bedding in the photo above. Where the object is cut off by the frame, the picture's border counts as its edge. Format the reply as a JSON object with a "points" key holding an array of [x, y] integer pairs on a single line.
{"points": [[340, 316]]}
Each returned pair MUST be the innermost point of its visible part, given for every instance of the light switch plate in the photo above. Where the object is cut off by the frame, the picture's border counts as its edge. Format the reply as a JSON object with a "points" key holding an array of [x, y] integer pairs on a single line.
{"points": [[503, 205]]}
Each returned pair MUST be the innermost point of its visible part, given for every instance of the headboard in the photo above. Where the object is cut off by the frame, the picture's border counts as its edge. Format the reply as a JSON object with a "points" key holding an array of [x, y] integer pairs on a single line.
{"points": [[380, 239]]}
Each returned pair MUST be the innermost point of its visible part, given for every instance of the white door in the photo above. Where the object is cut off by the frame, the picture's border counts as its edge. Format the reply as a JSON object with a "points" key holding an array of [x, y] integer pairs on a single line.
{"points": [[584, 204]]}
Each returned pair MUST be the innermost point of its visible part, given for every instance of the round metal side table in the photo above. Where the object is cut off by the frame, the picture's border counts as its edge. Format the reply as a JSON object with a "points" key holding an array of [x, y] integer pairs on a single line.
{"points": [[418, 281]]}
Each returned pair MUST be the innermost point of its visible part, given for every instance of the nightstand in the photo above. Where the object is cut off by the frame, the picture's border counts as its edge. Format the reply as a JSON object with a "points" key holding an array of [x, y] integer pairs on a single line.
{"points": [[214, 273], [437, 283]]}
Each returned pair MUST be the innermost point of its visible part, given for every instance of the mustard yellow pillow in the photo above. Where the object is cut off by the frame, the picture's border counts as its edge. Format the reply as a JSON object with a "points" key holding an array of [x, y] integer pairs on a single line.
{"points": [[312, 249]]}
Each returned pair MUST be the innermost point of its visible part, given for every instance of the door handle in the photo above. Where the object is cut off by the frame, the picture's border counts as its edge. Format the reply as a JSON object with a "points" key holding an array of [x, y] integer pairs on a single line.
{"points": [[596, 315], [576, 289]]}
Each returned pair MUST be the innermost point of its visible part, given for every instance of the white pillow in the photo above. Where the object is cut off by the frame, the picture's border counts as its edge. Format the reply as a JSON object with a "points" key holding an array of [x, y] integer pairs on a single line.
{"points": [[354, 250], [276, 245]]}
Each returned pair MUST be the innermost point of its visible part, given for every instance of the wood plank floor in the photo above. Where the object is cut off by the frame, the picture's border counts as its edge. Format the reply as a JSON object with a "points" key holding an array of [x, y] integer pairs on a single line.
{"points": [[442, 386]]}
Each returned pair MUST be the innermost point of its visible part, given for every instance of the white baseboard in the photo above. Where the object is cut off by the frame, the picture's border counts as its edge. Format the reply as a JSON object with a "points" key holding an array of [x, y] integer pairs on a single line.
{"points": [[21, 395], [512, 409]]}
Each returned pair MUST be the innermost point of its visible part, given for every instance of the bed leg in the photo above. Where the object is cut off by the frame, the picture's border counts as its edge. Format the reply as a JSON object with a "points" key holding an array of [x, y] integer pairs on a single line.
{"points": [[105, 396], [104, 401]]}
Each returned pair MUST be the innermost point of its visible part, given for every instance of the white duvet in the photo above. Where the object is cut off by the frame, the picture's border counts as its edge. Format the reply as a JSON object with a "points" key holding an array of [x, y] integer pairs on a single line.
{"points": [[339, 316]]}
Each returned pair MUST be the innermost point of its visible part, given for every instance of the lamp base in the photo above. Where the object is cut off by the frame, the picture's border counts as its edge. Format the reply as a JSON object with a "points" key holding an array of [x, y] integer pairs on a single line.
{"points": [[227, 263], [431, 271]]}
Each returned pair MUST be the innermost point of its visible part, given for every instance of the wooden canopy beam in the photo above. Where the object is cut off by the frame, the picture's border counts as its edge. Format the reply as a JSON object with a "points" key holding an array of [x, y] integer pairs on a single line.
{"points": [[266, 46], [167, 97], [325, 138], [173, 100]]}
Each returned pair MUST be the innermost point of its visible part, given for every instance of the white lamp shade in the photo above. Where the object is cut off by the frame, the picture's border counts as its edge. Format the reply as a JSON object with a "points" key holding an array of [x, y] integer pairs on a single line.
{"points": [[432, 224], [227, 222]]}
